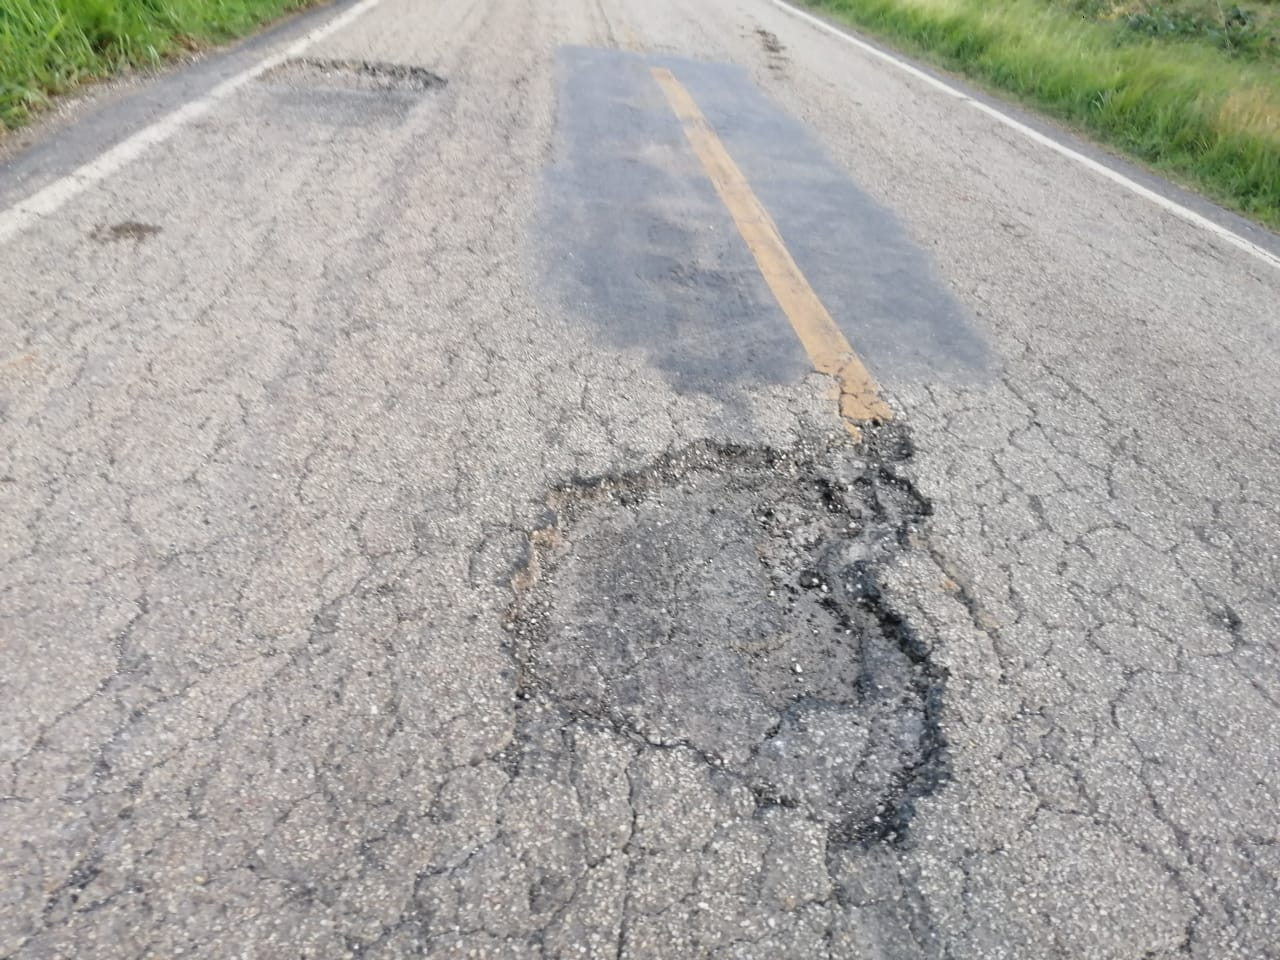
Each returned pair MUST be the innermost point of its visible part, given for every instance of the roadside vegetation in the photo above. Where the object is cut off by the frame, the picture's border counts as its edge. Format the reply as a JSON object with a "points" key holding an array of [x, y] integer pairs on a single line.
{"points": [[1189, 87], [50, 46]]}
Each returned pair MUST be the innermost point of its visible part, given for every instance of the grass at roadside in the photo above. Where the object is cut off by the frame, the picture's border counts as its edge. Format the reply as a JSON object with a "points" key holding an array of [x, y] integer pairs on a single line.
{"points": [[49, 46], [1190, 89]]}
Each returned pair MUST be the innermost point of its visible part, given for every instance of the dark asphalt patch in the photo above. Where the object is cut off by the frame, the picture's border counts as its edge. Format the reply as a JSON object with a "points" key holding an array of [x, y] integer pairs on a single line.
{"points": [[633, 239], [725, 602]]}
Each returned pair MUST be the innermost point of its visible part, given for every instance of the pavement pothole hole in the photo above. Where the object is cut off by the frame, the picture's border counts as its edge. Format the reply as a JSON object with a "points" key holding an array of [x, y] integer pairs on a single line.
{"points": [[725, 602], [365, 76]]}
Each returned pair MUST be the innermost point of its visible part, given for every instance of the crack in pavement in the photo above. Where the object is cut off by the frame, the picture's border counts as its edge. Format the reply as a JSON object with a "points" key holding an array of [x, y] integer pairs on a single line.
{"points": [[790, 696]]}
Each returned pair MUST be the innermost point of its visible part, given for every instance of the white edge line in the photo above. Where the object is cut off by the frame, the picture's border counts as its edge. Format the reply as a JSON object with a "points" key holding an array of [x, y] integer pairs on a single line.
{"points": [[1170, 206], [50, 198]]}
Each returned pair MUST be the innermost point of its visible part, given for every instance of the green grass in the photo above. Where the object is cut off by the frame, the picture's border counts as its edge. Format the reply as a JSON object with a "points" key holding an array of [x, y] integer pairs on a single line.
{"points": [[1200, 104], [1251, 31], [50, 46]]}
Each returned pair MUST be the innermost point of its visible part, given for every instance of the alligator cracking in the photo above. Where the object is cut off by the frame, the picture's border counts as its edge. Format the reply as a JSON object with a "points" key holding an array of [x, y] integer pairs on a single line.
{"points": [[725, 603]]}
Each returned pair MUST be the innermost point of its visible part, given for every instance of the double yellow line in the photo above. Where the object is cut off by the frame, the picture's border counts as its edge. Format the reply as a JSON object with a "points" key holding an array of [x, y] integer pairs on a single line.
{"points": [[828, 350]]}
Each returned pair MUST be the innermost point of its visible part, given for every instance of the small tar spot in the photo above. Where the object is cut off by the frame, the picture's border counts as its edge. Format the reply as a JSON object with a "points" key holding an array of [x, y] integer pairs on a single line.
{"points": [[125, 230], [769, 41]]}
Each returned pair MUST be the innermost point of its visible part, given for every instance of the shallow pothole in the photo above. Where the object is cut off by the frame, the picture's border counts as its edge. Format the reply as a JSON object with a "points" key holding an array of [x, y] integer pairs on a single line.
{"points": [[725, 601], [358, 75]]}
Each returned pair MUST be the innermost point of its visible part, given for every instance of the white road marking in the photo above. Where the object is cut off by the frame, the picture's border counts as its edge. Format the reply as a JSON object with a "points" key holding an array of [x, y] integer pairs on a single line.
{"points": [[1170, 206], [49, 199]]}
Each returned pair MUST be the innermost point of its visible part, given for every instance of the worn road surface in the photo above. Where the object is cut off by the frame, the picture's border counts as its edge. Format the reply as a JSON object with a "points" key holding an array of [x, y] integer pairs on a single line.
{"points": [[428, 527]]}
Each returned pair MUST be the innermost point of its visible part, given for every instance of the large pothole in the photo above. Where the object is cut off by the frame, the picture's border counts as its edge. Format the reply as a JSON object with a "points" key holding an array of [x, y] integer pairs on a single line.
{"points": [[721, 726], [726, 601]]}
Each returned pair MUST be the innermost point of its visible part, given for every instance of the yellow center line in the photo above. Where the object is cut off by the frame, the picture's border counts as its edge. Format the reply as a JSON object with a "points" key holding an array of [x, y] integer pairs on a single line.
{"points": [[828, 350]]}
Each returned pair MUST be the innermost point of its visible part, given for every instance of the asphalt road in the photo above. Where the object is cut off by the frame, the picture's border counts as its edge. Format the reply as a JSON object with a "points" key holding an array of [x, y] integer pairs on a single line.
{"points": [[424, 529]]}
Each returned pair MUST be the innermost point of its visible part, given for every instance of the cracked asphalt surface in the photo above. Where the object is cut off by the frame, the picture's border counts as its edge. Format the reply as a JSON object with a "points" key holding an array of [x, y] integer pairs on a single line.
{"points": [[399, 561]]}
